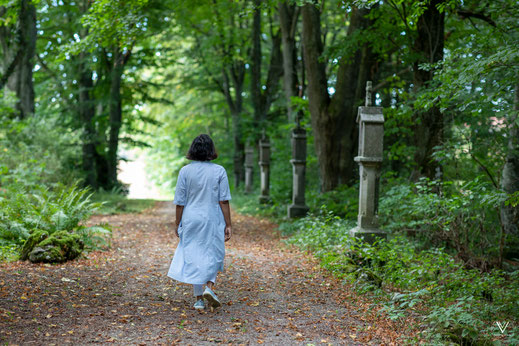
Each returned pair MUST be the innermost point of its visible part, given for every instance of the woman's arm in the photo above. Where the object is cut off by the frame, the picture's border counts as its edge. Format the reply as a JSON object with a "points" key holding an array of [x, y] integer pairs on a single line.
{"points": [[178, 212], [227, 216]]}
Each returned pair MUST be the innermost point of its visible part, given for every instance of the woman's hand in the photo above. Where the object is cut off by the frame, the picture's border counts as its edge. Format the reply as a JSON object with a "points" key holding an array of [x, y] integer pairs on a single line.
{"points": [[226, 210], [228, 232], [176, 230]]}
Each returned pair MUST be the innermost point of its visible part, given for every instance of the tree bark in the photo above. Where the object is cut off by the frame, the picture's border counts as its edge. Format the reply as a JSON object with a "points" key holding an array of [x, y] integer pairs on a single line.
{"points": [[87, 113], [255, 66], [510, 184], [262, 95], [19, 56], [334, 118], [115, 114], [428, 131], [237, 72], [288, 17]]}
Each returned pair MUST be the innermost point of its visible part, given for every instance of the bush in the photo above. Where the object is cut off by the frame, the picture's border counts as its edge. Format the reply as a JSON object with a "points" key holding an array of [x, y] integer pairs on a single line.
{"points": [[457, 304], [24, 213], [462, 217], [38, 151]]}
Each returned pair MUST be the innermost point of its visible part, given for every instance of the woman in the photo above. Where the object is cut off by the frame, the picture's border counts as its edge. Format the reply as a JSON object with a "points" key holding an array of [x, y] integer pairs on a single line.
{"points": [[203, 221]]}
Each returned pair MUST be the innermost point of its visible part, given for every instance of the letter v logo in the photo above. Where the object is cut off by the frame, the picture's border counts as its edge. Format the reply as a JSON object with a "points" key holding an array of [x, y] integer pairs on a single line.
{"points": [[502, 326]]}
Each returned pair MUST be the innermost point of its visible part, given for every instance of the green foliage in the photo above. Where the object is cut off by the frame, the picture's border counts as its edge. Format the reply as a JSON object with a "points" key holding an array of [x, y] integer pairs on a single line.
{"points": [[37, 151], [114, 202], [9, 253], [454, 302], [461, 216], [63, 209]]}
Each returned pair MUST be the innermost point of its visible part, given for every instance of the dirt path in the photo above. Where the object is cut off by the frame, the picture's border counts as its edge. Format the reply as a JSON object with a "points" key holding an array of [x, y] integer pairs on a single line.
{"points": [[272, 294]]}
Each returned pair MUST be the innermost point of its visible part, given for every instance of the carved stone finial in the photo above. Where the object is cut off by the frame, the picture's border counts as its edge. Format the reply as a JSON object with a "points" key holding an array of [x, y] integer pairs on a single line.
{"points": [[368, 93]]}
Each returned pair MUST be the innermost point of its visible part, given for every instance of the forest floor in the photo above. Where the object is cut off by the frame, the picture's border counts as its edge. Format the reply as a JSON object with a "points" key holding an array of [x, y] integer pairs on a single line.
{"points": [[271, 292]]}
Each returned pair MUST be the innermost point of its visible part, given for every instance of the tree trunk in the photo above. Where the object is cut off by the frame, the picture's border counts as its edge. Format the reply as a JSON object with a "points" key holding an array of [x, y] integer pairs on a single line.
{"points": [[255, 66], [237, 72], [87, 113], [115, 115], [288, 17], [334, 118], [18, 58], [262, 95], [510, 184], [428, 131]]}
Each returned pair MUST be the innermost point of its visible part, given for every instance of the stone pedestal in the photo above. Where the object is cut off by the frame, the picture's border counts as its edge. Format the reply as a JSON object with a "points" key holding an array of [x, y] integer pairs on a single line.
{"points": [[371, 137], [264, 164], [249, 165], [298, 207]]}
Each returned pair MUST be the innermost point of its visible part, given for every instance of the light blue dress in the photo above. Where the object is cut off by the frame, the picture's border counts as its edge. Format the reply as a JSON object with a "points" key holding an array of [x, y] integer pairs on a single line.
{"points": [[201, 250]]}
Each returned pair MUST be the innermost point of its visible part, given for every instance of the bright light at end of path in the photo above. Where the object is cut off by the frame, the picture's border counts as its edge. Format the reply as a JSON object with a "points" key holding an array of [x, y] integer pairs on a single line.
{"points": [[133, 173]]}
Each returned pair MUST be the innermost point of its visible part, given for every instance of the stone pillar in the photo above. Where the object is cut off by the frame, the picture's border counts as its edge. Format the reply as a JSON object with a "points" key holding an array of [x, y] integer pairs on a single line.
{"points": [[371, 138], [264, 163], [298, 207], [249, 164]]}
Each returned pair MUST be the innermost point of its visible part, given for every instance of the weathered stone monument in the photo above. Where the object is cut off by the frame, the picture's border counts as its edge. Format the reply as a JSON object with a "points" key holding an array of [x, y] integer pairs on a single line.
{"points": [[371, 138], [264, 163], [298, 207], [249, 165]]}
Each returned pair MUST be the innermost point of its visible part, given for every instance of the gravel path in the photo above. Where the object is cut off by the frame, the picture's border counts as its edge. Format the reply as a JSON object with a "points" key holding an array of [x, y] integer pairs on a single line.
{"points": [[272, 294]]}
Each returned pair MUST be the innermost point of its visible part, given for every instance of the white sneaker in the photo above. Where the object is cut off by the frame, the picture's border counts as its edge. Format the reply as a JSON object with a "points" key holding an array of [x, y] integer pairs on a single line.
{"points": [[199, 305], [212, 299]]}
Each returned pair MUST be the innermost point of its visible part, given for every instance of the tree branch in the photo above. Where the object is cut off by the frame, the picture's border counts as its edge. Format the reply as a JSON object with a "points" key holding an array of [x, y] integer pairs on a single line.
{"points": [[479, 15], [11, 67], [383, 83]]}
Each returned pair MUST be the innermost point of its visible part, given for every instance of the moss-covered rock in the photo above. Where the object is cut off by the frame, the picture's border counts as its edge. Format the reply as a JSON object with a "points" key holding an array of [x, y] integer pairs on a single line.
{"points": [[34, 239], [57, 247]]}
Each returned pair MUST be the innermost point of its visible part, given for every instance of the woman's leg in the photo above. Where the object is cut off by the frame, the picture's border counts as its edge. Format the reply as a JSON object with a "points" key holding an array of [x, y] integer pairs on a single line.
{"points": [[198, 290], [211, 282]]}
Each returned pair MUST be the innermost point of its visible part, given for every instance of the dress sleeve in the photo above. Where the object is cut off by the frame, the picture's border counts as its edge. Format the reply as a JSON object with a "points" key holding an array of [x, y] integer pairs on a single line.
{"points": [[180, 190], [224, 191]]}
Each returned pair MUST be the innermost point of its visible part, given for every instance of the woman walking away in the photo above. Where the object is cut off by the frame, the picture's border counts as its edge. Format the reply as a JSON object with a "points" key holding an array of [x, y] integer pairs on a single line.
{"points": [[203, 221]]}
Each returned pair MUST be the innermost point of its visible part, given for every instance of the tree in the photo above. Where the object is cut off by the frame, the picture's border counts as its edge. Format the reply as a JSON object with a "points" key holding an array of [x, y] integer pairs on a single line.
{"points": [[263, 94], [218, 37], [288, 19], [18, 47], [510, 180], [333, 116], [428, 44]]}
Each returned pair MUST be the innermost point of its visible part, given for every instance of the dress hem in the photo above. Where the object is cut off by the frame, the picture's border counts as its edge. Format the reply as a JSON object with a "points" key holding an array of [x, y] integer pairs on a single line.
{"points": [[194, 283]]}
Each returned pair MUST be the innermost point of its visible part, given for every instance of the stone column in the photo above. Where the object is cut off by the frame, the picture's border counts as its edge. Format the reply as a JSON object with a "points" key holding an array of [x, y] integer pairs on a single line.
{"points": [[298, 207], [371, 138], [264, 164], [249, 164]]}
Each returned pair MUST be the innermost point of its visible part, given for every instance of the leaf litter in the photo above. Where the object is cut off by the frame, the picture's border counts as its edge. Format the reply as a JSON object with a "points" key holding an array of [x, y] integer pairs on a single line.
{"points": [[272, 293]]}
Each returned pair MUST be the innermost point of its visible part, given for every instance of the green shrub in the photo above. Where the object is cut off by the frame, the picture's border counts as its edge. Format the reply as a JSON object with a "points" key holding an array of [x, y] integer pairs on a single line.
{"points": [[462, 217], [25, 212], [457, 304], [38, 151]]}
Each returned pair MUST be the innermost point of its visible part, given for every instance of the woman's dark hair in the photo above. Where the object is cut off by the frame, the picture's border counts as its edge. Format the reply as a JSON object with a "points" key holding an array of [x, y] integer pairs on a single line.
{"points": [[202, 149]]}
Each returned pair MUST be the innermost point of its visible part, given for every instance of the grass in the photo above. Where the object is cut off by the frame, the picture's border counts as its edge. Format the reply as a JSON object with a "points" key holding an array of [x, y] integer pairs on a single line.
{"points": [[116, 203]]}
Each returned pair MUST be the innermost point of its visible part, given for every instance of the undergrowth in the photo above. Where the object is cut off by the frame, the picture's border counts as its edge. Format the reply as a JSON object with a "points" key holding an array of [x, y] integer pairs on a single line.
{"points": [[24, 210], [455, 303]]}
